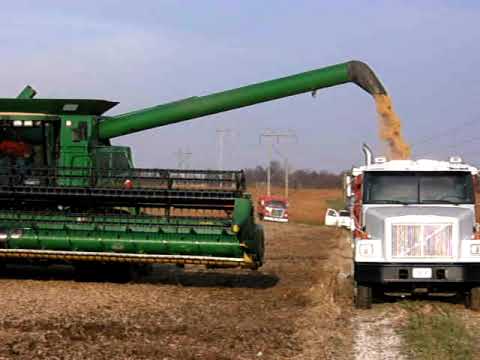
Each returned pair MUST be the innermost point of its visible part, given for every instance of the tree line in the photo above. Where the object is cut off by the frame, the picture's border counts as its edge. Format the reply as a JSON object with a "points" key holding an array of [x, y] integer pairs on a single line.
{"points": [[304, 178]]}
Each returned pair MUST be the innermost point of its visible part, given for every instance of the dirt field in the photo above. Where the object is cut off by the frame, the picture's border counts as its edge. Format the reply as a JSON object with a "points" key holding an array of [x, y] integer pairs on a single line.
{"points": [[191, 314]]}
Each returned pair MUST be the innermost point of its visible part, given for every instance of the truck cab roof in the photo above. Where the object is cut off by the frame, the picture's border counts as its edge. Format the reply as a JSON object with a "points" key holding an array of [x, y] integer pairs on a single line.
{"points": [[380, 164]]}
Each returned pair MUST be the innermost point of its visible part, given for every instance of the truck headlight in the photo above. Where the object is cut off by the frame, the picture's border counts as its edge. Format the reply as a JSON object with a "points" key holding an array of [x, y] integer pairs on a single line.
{"points": [[366, 249], [475, 249]]}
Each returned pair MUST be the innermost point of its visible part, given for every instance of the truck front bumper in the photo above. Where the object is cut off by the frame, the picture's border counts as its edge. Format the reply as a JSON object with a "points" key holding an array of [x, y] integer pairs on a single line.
{"points": [[277, 219], [395, 273]]}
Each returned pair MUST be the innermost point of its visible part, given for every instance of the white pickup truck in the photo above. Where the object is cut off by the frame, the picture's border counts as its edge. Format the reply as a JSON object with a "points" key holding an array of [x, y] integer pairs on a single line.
{"points": [[340, 218]]}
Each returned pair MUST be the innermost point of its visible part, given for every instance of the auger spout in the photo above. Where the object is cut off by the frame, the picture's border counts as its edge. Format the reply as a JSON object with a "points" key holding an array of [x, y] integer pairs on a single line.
{"points": [[353, 71]]}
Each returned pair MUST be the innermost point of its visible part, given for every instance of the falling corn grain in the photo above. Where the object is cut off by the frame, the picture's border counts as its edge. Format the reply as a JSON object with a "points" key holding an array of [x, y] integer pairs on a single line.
{"points": [[391, 129]]}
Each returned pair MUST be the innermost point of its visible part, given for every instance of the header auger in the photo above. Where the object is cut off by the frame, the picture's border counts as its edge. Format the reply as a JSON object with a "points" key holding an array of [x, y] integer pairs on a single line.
{"points": [[66, 194]]}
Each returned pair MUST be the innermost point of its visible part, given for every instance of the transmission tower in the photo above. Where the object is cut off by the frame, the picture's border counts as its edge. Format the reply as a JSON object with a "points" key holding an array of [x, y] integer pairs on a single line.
{"points": [[183, 159], [274, 137], [221, 134]]}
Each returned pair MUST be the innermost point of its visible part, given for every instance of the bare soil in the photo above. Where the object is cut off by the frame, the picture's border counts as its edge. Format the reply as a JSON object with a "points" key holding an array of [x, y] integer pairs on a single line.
{"points": [[181, 314]]}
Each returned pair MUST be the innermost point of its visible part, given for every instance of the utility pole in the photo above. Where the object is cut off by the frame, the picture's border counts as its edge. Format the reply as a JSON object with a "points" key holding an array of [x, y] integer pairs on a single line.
{"points": [[221, 133], [183, 159], [275, 137], [286, 166], [287, 172]]}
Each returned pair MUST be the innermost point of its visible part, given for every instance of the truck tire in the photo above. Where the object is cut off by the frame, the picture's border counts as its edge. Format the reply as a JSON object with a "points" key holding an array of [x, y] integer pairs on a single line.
{"points": [[472, 299], [363, 297]]}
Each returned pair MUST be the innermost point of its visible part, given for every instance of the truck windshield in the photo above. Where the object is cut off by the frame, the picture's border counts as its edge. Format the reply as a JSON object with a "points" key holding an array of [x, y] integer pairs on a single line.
{"points": [[418, 188], [276, 203]]}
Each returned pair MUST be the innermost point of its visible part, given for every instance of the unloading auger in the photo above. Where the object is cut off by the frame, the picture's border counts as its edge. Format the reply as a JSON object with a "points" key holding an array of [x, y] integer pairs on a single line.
{"points": [[67, 194]]}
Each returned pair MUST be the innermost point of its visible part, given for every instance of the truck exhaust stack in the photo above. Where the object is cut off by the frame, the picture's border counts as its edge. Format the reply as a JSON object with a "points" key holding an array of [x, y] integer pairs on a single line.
{"points": [[368, 154]]}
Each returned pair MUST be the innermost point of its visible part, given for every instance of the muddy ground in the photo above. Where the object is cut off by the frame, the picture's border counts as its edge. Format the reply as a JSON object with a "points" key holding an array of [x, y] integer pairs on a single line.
{"points": [[298, 306]]}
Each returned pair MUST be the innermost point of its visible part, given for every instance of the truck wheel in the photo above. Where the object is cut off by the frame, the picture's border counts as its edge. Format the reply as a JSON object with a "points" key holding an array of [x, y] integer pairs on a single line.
{"points": [[472, 299], [364, 297]]}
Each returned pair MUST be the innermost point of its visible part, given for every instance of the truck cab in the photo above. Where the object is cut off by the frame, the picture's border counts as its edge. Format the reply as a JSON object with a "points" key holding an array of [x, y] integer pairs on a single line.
{"points": [[272, 208], [414, 228]]}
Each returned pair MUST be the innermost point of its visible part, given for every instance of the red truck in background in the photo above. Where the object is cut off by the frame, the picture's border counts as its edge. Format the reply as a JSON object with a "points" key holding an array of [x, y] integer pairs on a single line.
{"points": [[272, 208]]}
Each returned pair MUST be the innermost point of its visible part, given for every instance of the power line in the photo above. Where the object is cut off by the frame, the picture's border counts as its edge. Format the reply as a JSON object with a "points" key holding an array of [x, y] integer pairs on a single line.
{"points": [[449, 131], [474, 140]]}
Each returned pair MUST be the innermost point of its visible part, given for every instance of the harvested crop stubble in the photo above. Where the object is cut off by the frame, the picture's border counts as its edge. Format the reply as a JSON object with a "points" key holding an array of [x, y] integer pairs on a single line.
{"points": [[174, 313]]}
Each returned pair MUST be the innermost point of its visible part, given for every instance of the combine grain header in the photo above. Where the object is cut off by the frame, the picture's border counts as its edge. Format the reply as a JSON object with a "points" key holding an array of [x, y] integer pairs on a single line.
{"points": [[67, 194]]}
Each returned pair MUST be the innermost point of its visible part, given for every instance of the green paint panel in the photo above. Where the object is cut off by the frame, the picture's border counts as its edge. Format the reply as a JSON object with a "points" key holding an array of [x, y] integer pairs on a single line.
{"points": [[126, 242], [138, 234]]}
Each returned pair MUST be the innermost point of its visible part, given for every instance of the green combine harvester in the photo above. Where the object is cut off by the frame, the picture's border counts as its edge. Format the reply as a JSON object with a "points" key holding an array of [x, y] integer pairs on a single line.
{"points": [[68, 195]]}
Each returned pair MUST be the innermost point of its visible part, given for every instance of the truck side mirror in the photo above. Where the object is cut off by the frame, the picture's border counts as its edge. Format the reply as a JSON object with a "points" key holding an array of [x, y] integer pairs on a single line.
{"points": [[347, 184]]}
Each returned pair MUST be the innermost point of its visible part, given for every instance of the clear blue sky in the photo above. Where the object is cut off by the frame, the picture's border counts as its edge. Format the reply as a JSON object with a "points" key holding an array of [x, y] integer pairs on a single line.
{"points": [[143, 53]]}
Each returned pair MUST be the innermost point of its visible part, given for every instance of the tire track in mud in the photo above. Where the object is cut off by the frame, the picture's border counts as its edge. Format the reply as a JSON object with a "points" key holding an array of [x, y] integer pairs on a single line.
{"points": [[375, 336]]}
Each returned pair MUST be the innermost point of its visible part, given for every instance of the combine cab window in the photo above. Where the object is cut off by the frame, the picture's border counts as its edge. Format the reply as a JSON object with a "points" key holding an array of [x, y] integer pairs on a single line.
{"points": [[418, 188], [120, 161], [81, 132]]}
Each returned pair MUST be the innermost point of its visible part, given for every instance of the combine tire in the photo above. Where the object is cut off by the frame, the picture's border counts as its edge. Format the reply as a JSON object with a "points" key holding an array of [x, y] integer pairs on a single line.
{"points": [[363, 297], [472, 299]]}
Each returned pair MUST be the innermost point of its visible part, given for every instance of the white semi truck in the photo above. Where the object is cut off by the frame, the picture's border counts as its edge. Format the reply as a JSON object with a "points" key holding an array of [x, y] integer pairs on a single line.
{"points": [[414, 228]]}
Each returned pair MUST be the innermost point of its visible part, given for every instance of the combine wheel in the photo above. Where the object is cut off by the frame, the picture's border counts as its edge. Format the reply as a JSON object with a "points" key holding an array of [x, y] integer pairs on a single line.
{"points": [[472, 299], [363, 297]]}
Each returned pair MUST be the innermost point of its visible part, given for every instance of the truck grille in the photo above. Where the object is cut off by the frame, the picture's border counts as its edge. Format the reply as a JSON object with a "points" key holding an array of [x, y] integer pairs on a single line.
{"points": [[277, 213], [422, 240]]}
